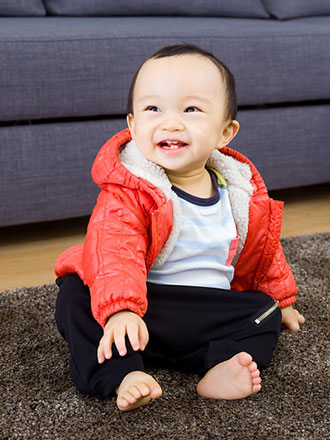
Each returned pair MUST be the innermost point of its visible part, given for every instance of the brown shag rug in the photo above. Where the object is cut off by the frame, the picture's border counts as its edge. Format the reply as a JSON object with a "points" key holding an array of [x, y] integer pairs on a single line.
{"points": [[38, 400]]}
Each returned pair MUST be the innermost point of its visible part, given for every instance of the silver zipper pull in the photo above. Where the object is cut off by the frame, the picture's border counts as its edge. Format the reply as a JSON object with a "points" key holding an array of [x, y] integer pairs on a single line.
{"points": [[267, 313]]}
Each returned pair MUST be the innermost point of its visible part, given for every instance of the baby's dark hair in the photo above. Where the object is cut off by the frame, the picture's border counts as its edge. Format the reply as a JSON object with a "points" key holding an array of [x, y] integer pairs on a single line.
{"points": [[190, 49]]}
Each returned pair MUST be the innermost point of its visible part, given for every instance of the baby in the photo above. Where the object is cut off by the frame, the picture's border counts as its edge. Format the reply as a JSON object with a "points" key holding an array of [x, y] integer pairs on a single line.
{"points": [[182, 265]]}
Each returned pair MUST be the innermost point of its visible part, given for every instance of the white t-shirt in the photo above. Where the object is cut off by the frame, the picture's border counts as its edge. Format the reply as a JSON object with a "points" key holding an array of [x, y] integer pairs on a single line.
{"points": [[206, 245]]}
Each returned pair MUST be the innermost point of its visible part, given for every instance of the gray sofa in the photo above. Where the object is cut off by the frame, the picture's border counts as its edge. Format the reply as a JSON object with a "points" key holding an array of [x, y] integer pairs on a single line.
{"points": [[66, 66]]}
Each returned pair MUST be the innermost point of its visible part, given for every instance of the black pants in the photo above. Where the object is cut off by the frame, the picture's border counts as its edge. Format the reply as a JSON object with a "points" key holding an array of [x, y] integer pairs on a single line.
{"points": [[190, 329]]}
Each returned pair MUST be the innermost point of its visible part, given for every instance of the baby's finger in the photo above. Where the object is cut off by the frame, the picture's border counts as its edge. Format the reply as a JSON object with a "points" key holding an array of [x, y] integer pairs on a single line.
{"points": [[103, 354], [301, 319], [104, 349], [293, 326], [100, 354], [119, 337], [133, 336], [107, 341], [143, 336]]}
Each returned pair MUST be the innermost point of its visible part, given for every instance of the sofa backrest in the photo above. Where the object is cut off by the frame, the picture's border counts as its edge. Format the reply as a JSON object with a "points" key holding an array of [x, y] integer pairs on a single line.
{"points": [[278, 9], [22, 8], [214, 8], [284, 9]]}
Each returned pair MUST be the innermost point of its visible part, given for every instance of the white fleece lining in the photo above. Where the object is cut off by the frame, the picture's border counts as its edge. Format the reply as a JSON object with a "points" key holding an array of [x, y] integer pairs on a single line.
{"points": [[236, 174], [137, 164]]}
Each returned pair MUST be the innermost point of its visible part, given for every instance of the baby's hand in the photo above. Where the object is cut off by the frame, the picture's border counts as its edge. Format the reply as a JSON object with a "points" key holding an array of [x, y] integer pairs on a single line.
{"points": [[292, 319], [118, 325]]}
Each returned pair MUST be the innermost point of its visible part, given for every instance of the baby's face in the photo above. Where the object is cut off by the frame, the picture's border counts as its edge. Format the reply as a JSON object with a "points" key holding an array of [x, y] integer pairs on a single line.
{"points": [[179, 107]]}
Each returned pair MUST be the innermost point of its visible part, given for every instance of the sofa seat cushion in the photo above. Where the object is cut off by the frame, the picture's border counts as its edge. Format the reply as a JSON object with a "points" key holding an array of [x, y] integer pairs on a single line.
{"points": [[81, 67]]}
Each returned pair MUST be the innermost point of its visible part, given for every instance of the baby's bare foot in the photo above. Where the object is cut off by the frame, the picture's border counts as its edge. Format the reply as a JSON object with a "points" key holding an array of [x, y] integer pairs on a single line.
{"points": [[235, 378], [136, 389]]}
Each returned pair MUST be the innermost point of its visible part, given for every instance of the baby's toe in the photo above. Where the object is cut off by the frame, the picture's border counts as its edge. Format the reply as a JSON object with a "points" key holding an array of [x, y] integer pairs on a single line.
{"points": [[255, 373], [129, 397], [122, 403], [156, 392], [143, 389], [253, 367], [136, 392]]}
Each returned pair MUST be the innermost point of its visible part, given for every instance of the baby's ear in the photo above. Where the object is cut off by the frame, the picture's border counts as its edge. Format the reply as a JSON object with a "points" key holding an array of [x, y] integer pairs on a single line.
{"points": [[228, 134], [131, 124]]}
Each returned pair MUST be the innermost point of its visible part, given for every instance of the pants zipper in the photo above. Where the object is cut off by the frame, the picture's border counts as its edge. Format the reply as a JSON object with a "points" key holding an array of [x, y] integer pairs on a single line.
{"points": [[266, 313]]}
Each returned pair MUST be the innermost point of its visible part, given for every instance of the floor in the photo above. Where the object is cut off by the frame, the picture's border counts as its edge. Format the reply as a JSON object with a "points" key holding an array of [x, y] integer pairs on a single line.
{"points": [[28, 253]]}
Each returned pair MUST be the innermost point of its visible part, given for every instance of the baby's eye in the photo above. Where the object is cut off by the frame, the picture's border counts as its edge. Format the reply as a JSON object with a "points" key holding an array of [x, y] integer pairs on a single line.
{"points": [[192, 109], [152, 108]]}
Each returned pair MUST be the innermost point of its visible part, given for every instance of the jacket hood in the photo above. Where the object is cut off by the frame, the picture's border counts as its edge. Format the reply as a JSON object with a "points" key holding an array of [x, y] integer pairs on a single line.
{"points": [[120, 162]]}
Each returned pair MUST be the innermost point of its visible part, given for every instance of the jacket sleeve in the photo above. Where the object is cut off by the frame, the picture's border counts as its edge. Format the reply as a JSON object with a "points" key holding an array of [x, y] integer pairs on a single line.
{"points": [[278, 281], [273, 275], [114, 254]]}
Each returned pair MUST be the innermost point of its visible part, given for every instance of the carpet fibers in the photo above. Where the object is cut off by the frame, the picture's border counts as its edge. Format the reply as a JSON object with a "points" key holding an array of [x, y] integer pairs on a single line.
{"points": [[38, 400]]}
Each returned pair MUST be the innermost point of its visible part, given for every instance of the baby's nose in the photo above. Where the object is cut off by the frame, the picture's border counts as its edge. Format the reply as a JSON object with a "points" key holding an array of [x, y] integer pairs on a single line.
{"points": [[172, 123]]}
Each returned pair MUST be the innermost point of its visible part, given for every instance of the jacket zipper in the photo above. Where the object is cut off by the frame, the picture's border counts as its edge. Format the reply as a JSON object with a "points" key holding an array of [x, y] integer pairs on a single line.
{"points": [[266, 313], [155, 233]]}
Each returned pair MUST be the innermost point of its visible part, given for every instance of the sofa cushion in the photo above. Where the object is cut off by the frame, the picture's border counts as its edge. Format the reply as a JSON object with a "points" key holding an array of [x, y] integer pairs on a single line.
{"points": [[76, 67], [21, 8], [45, 168], [283, 9], [215, 8]]}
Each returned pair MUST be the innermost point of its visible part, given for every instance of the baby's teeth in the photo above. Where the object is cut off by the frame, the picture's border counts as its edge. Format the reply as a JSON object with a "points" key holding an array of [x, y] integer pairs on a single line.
{"points": [[171, 145]]}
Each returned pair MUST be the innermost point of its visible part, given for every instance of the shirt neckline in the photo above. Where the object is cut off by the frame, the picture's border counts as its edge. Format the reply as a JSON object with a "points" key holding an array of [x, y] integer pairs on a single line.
{"points": [[200, 201]]}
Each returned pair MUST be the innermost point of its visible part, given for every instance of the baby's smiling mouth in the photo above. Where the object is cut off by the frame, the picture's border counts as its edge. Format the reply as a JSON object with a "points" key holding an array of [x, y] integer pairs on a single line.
{"points": [[171, 144]]}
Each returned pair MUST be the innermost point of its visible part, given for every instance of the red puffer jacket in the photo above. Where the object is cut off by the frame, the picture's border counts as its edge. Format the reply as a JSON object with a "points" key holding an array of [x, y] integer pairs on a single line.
{"points": [[133, 224]]}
